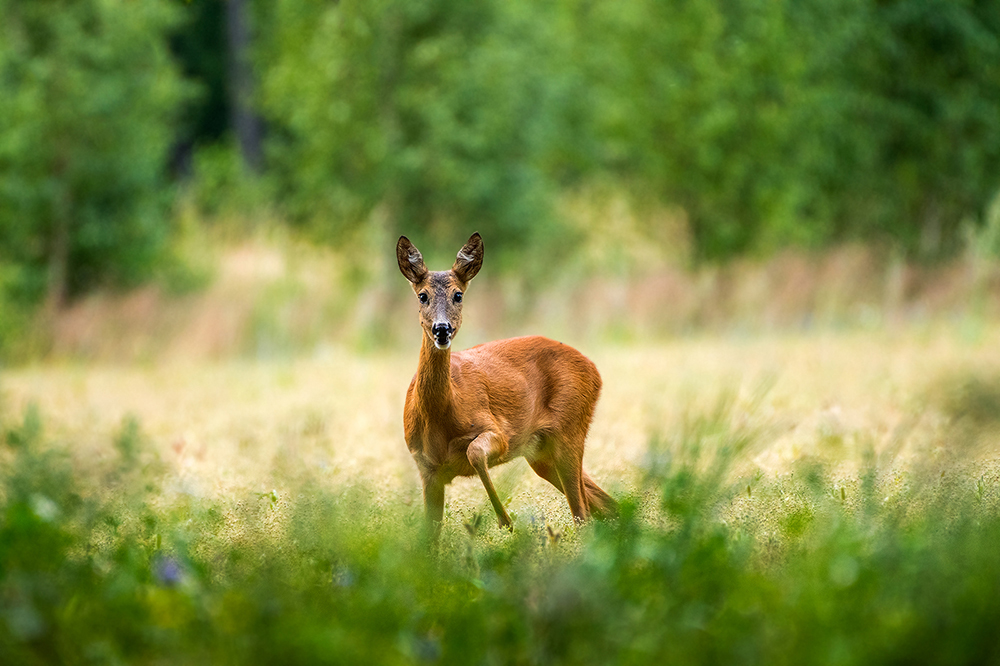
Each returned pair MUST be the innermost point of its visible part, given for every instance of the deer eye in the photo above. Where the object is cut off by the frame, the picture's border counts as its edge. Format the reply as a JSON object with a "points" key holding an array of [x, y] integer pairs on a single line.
{"points": [[423, 297], [458, 297]]}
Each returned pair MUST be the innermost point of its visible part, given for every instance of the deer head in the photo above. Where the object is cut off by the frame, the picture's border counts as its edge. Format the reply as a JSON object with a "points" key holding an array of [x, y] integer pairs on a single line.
{"points": [[440, 293]]}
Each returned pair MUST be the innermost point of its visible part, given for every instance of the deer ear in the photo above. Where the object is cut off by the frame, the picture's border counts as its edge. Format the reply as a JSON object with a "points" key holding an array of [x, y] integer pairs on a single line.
{"points": [[470, 258], [411, 263]]}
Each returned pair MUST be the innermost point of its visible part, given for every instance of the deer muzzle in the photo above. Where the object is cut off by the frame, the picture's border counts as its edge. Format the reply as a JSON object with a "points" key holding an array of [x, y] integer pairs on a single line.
{"points": [[442, 334]]}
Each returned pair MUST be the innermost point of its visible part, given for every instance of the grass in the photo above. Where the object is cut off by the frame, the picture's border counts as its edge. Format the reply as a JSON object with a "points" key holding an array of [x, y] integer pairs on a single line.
{"points": [[271, 295], [823, 498]]}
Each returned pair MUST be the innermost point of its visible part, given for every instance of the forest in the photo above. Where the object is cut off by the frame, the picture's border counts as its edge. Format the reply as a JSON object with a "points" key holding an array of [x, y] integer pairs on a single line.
{"points": [[734, 129]]}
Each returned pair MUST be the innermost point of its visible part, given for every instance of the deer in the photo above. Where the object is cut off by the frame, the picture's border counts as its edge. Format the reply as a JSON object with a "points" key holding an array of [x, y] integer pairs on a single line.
{"points": [[471, 410]]}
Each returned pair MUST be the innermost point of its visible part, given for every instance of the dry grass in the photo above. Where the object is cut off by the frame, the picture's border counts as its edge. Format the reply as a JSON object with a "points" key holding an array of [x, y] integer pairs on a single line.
{"points": [[281, 371], [270, 472], [269, 508], [229, 429], [274, 296]]}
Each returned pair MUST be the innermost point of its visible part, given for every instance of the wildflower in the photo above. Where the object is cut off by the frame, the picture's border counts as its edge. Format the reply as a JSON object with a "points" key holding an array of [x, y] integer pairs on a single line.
{"points": [[168, 571]]}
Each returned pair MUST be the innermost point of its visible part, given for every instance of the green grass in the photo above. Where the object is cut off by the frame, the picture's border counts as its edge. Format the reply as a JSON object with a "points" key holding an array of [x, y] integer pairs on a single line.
{"points": [[709, 563]]}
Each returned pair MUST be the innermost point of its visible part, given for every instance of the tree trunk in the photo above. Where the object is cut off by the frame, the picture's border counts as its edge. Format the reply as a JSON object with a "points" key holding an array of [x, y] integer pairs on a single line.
{"points": [[930, 230], [246, 124], [62, 212]]}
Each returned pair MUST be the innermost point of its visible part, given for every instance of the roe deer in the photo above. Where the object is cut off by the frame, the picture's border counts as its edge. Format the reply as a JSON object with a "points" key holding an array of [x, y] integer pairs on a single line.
{"points": [[468, 411]]}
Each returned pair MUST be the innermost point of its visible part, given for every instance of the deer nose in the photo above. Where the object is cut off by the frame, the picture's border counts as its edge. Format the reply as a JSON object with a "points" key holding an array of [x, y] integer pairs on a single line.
{"points": [[442, 332]]}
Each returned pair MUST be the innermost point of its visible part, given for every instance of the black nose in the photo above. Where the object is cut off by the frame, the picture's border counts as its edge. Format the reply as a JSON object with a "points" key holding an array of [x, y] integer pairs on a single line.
{"points": [[442, 332]]}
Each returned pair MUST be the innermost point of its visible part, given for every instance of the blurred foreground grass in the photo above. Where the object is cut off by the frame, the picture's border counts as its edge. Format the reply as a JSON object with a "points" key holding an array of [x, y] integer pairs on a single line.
{"points": [[815, 499]]}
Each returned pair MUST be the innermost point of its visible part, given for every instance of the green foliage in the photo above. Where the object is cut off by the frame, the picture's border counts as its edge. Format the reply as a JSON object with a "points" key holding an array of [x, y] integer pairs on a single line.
{"points": [[971, 403], [445, 114], [770, 124], [222, 186], [930, 76], [98, 563], [19, 290], [766, 124], [805, 122], [87, 101]]}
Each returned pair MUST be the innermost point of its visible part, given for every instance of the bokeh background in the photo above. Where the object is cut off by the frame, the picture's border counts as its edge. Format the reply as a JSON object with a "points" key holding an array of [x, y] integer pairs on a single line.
{"points": [[774, 226], [220, 177]]}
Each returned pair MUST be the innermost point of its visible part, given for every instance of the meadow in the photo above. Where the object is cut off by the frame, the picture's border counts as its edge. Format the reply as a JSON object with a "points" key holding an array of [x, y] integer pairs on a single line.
{"points": [[825, 496], [774, 227]]}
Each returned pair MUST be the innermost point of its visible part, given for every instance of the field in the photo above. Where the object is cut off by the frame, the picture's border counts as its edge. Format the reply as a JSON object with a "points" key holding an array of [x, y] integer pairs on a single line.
{"points": [[773, 226], [826, 497]]}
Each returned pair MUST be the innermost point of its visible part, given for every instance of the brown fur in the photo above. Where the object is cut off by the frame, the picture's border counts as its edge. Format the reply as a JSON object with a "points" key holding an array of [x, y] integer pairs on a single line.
{"points": [[468, 411]]}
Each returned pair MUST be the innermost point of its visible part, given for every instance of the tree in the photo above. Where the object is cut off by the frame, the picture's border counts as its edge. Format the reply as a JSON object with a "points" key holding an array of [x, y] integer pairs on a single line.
{"points": [[803, 122], [438, 113], [88, 102]]}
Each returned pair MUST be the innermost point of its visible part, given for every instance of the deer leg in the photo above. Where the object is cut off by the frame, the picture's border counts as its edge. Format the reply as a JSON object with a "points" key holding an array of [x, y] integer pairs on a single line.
{"points": [[601, 504], [434, 502], [479, 454], [576, 500], [547, 472], [571, 476]]}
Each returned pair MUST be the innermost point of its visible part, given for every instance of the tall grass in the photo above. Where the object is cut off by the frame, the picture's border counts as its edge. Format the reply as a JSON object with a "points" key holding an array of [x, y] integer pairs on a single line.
{"points": [[273, 293], [708, 563]]}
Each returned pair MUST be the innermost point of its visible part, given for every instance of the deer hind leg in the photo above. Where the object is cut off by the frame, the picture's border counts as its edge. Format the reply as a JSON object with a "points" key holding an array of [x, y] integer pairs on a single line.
{"points": [[551, 468], [434, 501], [573, 488], [479, 454], [592, 498], [547, 471], [569, 468]]}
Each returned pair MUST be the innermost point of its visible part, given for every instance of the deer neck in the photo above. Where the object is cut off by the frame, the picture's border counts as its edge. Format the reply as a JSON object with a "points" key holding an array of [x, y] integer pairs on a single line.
{"points": [[434, 388]]}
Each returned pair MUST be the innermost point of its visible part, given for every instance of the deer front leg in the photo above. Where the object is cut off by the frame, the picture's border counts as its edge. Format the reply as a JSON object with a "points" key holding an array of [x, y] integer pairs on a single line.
{"points": [[480, 449]]}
